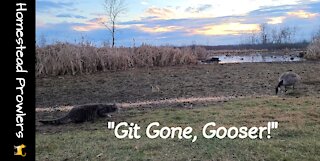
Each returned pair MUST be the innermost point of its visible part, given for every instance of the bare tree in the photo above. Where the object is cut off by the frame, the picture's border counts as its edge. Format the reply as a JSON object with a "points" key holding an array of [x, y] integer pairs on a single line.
{"points": [[274, 36], [251, 38], [113, 9], [42, 41], [263, 33], [283, 35], [287, 34], [316, 35]]}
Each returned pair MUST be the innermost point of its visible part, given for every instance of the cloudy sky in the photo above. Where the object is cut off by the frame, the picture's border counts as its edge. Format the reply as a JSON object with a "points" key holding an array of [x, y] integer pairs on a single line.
{"points": [[174, 22]]}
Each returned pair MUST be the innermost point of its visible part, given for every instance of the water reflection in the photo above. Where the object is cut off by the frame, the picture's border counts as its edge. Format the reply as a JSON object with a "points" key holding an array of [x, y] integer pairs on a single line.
{"points": [[256, 58]]}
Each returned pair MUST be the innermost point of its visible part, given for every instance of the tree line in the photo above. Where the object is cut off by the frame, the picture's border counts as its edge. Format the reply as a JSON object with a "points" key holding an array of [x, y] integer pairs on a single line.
{"points": [[275, 35]]}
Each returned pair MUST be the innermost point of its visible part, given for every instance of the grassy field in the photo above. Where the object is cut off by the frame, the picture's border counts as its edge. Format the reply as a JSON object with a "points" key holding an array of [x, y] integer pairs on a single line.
{"points": [[297, 137], [253, 103]]}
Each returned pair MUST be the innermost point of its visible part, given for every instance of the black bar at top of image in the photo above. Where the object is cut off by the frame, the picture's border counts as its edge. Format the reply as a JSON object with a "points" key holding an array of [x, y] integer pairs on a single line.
{"points": [[21, 109]]}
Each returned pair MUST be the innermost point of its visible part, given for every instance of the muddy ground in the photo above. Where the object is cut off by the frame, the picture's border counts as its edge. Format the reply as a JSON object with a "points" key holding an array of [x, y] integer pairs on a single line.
{"points": [[212, 80], [174, 82]]}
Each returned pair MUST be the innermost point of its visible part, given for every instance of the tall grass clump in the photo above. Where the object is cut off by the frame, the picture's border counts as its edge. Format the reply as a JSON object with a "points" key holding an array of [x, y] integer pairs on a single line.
{"points": [[313, 50], [201, 52], [66, 58], [150, 56]]}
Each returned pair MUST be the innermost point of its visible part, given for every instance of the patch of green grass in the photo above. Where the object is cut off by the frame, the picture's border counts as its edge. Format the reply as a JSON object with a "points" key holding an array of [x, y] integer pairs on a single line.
{"points": [[297, 137]]}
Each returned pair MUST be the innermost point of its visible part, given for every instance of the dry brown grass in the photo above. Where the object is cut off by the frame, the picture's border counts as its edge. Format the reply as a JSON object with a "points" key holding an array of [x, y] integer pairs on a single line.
{"points": [[65, 58], [313, 50]]}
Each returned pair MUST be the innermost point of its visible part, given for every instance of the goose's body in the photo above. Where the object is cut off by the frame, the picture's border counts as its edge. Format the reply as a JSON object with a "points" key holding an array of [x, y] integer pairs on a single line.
{"points": [[287, 79]]}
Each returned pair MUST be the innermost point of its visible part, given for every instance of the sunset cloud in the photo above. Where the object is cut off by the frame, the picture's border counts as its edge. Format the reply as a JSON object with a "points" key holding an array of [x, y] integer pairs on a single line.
{"points": [[302, 14], [199, 8], [159, 29], [70, 16], [160, 13], [276, 20], [96, 24], [93, 24], [166, 13], [176, 21], [227, 29], [88, 27]]}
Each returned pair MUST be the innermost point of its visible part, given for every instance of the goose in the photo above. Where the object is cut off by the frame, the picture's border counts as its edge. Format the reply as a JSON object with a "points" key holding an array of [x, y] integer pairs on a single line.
{"points": [[287, 79]]}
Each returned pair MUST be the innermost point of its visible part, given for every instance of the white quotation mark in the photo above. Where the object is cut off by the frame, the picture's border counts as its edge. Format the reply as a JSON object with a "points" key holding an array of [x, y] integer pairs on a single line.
{"points": [[271, 125], [111, 125]]}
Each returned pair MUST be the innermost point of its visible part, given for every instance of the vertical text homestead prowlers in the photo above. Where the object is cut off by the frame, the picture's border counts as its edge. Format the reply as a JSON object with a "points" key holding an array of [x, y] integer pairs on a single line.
{"points": [[20, 8]]}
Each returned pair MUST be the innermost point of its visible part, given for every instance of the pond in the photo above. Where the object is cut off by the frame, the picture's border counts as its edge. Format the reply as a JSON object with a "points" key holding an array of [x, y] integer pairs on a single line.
{"points": [[253, 58]]}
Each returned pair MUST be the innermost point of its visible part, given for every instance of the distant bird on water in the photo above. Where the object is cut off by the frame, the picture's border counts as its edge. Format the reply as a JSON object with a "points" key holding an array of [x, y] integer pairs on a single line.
{"points": [[287, 79]]}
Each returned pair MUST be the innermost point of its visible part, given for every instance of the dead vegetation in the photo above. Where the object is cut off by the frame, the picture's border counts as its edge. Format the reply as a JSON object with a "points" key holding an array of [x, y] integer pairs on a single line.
{"points": [[313, 50], [65, 58]]}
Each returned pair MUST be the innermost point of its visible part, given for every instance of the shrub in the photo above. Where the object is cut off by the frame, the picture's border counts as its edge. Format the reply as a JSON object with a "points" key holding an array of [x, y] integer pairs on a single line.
{"points": [[313, 50]]}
